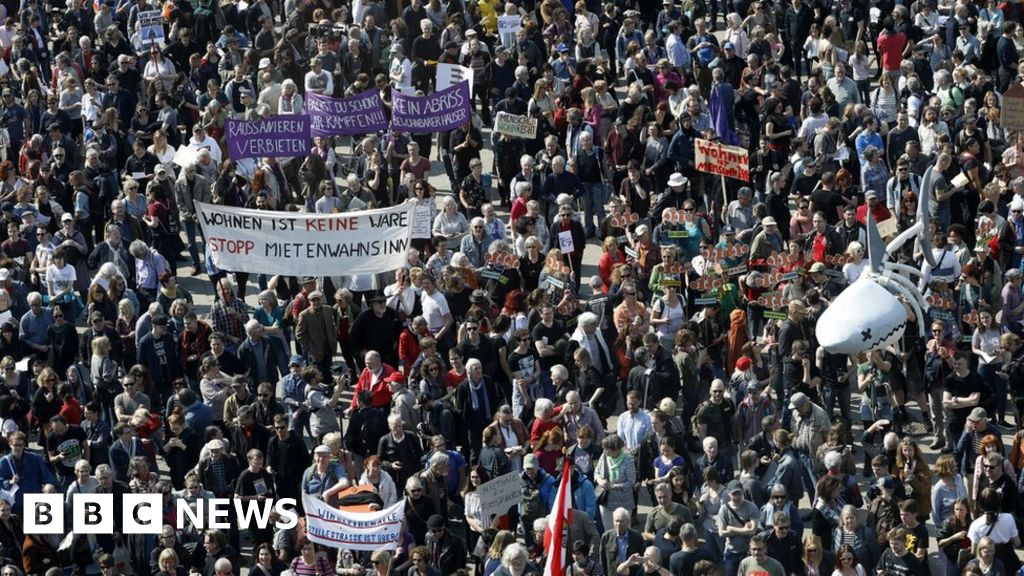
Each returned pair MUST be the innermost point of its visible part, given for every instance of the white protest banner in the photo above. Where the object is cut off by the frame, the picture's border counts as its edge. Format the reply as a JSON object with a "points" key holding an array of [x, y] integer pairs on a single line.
{"points": [[449, 75], [509, 24], [515, 125], [335, 528], [301, 244], [151, 28], [499, 494], [720, 159]]}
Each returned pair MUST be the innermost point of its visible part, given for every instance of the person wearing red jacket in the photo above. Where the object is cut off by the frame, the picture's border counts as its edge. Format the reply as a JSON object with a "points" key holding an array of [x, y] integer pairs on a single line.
{"points": [[373, 379]]}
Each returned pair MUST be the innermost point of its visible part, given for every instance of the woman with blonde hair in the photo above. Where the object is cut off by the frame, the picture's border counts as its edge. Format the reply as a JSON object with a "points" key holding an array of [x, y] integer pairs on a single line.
{"points": [[544, 100], [813, 555], [857, 264], [502, 540], [592, 111], [913, 470]]}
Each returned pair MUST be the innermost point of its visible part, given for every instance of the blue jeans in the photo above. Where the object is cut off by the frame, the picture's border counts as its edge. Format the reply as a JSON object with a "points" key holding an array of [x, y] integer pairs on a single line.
{"points": [[731, 562], [191, 232], [594, 198]]}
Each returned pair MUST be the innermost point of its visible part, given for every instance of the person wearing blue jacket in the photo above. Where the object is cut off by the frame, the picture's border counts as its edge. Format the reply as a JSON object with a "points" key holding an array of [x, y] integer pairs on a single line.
{"points": [[23, 469], [539, 490], [583, 496]]}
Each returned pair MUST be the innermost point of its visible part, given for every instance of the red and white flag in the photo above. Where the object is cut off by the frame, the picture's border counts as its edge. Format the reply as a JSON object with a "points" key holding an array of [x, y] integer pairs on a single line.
{"points": [[556, 534]]}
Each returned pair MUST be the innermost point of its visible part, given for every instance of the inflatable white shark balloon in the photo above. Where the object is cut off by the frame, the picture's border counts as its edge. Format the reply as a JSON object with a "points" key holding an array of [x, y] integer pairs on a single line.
{"points": [[873, 311], [864, 316]]}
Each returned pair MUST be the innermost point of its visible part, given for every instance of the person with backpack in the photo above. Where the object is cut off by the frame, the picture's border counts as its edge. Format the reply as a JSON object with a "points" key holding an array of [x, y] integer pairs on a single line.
{"points": [[367, 425]]}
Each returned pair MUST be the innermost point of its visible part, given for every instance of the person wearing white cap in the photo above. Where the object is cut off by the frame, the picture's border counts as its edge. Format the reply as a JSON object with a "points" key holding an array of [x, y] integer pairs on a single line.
{"points": [[768, 240], [218, 472], [400, 68], [270, 89]]}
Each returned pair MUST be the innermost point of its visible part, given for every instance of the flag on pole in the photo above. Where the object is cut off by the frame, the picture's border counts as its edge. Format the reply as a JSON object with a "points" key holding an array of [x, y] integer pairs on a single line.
{"points": [[556, 534]]}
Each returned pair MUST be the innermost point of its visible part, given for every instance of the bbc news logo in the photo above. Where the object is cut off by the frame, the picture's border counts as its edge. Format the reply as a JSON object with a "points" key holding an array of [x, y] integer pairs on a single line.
{"points": [[143, 514]]}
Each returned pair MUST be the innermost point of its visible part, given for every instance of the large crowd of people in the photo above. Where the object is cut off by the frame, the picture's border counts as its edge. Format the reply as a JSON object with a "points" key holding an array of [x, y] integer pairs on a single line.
{"points": [[707, 433]]}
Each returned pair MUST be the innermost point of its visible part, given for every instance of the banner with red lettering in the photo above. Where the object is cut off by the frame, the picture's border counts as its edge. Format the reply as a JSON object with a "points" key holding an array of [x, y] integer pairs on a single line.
{"points": [[723, 160], [299, 244]]}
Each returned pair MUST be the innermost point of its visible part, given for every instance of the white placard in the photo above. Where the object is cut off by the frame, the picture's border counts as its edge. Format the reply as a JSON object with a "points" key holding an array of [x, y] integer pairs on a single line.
{"points": [[449, 75], [151, 28], [185, 156], [301, 244], [565, 242], [499, 494], [335, 528], [421, 221], [509, 24]]}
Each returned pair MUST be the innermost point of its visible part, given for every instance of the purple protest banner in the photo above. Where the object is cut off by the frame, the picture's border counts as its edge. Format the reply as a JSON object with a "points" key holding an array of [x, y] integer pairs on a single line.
{"points": [[444, 110], [360, 114], [277, 137]]}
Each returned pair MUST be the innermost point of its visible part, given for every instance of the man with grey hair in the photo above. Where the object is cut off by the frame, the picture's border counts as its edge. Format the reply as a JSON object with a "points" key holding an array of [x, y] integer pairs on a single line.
{"points": [[587, 335], [435, 482], [690, 553], [35, 323], [262, 359], [620, 542], [477, 397], [475, 244], [316, 330], [646, 564], [514, 559], [229, 314], [190, 188], [576, 415], [559, 181]]}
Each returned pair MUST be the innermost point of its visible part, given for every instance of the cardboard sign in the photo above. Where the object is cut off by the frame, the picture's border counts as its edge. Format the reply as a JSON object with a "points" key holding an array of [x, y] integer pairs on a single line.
{"points": [[500, 494], [515, 125], [887, 228], [723, 160], [1012, 113]]}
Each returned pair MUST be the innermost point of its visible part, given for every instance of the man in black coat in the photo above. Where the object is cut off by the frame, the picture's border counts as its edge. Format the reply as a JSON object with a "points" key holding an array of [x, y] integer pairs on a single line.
{"points": [[287, 459], [568, 236], [445, 551], [478, 398], [798, 27], [377, 328], [610, 556]]}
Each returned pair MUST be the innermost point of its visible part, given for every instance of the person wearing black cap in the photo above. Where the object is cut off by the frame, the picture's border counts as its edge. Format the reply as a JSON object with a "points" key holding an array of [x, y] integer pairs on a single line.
{"points": [[445, 551], [377, 328]]}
